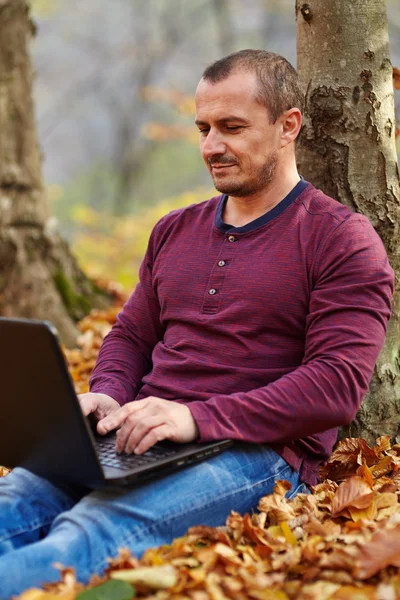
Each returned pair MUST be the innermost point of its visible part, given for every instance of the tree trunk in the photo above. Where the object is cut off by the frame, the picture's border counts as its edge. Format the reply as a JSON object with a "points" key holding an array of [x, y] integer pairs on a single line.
{"points": [[38, 276], [347, 149]]}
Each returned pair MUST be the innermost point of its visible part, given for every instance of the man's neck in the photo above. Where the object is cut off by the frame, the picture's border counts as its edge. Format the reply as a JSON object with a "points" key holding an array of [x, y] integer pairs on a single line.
{"points": [[241, 211]]}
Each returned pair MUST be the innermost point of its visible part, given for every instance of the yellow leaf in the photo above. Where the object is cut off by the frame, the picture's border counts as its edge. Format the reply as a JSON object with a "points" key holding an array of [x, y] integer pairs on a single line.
{"points": [[369, 513], [276, 531], [287, 532], [33, 594], [155, 577]]}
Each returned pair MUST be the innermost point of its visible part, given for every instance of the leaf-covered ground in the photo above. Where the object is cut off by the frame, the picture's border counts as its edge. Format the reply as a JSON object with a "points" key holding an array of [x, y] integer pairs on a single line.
{"points": [[340, 542]]}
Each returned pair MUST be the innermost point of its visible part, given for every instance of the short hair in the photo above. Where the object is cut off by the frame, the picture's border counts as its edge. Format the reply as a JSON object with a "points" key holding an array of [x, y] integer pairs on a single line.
{"points": [[279, 86]]}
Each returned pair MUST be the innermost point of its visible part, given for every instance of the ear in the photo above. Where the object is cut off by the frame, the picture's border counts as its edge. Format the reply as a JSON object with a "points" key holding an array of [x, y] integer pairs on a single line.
{"points": [[290, 125]]}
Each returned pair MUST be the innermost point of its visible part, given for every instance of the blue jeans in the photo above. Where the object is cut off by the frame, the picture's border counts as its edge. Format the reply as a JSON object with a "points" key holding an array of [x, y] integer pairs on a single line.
{"points": [[41, 524]]}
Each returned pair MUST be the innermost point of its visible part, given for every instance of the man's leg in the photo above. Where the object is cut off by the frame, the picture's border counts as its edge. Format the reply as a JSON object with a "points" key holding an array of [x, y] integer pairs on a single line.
{"points": [[28, 506], [146, 516]]}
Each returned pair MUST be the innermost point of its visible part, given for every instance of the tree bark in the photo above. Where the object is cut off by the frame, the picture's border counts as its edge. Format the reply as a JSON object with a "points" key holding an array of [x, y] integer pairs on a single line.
{"points": [[39, 278], [347, 149]]}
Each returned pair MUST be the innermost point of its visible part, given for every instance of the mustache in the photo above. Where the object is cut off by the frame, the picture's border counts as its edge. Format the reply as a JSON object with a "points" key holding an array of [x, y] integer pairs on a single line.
{"points": [[222, 159]]}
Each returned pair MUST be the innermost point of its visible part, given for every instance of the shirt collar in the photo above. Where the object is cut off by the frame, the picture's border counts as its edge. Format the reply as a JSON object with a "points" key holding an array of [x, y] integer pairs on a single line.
{"points": [[266, 218]]}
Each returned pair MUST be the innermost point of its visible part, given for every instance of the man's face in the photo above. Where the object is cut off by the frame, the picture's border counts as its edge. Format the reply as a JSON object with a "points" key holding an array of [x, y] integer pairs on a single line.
{"points": [[238, 143]]}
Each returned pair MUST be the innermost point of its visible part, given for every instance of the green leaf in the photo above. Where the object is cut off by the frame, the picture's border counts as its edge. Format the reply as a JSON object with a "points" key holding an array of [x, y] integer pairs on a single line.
{"points": [[111, 590]]}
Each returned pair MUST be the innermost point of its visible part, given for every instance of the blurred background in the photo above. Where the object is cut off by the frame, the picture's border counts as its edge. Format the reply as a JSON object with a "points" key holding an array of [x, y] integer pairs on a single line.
{"points": [[114, 93]]}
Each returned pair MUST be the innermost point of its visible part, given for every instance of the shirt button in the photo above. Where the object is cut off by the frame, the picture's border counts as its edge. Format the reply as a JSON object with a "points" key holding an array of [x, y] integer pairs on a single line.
{"points": [[221, 263], [212, 292], [231, 238]]}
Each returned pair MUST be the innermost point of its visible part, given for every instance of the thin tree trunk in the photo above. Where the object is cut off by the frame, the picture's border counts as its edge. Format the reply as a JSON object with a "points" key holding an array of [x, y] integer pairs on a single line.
{"points": [[38, 276], [347, 149]]}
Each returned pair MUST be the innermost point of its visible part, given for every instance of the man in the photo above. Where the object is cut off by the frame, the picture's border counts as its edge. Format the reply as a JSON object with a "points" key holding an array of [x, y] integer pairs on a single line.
{"points": [[258, 317]]}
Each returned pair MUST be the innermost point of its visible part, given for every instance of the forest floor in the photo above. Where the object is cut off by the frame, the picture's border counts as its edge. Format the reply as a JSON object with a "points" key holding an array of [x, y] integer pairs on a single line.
{"points": [[340, 542]]}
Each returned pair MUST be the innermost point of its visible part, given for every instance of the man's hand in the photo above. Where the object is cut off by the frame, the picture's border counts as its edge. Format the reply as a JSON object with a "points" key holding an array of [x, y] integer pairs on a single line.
{"points": [[100, 405], [145, 422]]}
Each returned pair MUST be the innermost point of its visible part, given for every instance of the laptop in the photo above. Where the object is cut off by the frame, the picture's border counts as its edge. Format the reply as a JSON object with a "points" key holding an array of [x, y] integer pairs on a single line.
{"points": [[43, 429]]}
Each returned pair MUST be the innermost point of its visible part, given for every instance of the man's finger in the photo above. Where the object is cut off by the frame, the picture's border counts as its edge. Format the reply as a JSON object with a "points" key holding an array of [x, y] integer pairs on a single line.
{"points": [[157, 434], [134, 429], [87, 405], [113, 420], [127, 427], [117, 418]]}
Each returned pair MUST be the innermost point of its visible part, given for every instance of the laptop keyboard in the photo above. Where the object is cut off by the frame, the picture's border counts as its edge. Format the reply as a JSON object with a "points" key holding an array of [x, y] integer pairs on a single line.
{"points": [[108, 457]]}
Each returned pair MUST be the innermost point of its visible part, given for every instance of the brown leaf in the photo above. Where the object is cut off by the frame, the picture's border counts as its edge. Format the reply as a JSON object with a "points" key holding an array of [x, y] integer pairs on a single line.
{"points": [[256, 534], [382, 444], [384, 466], [366, 473], [363, 514], [212, 534], [320, 590], [383, 500], [282, 487], [381, 551], [338, 471], [384, 484], [324, 529], [354, 492], [353, 450], [276, 507], [349, 454], [396, 78], [352, 592], [311, 549], [339, 559]]}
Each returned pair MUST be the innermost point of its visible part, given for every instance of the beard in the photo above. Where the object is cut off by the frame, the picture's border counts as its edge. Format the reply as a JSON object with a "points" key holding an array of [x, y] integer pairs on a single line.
{"points": [[258, 180]]}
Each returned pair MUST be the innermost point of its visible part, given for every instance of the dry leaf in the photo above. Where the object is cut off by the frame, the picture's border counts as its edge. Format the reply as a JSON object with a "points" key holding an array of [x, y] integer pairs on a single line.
{"points": [[355, 493], [153, 577], [381, 551], [396, 78]]}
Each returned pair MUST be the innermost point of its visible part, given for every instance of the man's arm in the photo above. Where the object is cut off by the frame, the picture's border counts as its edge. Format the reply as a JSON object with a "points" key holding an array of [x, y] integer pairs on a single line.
{"points": [[345, 329], [125, 355]]}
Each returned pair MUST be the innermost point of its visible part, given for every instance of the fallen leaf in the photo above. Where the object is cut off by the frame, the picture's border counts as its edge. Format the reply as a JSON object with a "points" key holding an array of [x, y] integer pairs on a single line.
{"points": [[381, 551], [354, 492], [153, 577], [396, 78]]}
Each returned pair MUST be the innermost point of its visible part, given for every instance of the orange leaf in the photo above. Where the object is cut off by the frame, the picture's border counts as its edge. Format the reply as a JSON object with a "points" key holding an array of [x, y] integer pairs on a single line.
{"points": [[354, 492], [381, 551], [396, 78], [365, 473], [383, 444], [384, 466], [282, 487], [254, 533], [346, 459], [369, 513], [350, 592], [349, 449]]}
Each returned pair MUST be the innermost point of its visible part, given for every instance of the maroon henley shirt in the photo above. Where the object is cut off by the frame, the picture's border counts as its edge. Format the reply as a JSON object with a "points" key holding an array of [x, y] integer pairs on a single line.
{"points": [[268, 332]]}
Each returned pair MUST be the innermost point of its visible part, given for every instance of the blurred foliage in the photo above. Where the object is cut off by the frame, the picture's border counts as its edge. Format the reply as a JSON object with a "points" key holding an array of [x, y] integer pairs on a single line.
{"points": [[160, 176], [44, 8], [108, 245]]}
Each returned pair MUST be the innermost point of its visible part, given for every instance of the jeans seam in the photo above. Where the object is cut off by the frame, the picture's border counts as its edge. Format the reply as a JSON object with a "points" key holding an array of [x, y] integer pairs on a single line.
{"points": [[28, 529], [300, 485]]}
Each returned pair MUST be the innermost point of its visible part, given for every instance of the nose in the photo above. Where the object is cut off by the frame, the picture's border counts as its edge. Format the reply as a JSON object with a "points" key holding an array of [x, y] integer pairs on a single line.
{"points": [[212, 144]]}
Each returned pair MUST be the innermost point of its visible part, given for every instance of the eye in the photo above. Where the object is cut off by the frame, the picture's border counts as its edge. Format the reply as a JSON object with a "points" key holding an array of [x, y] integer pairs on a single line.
{"points": [[203, 131], [233, 127]]}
